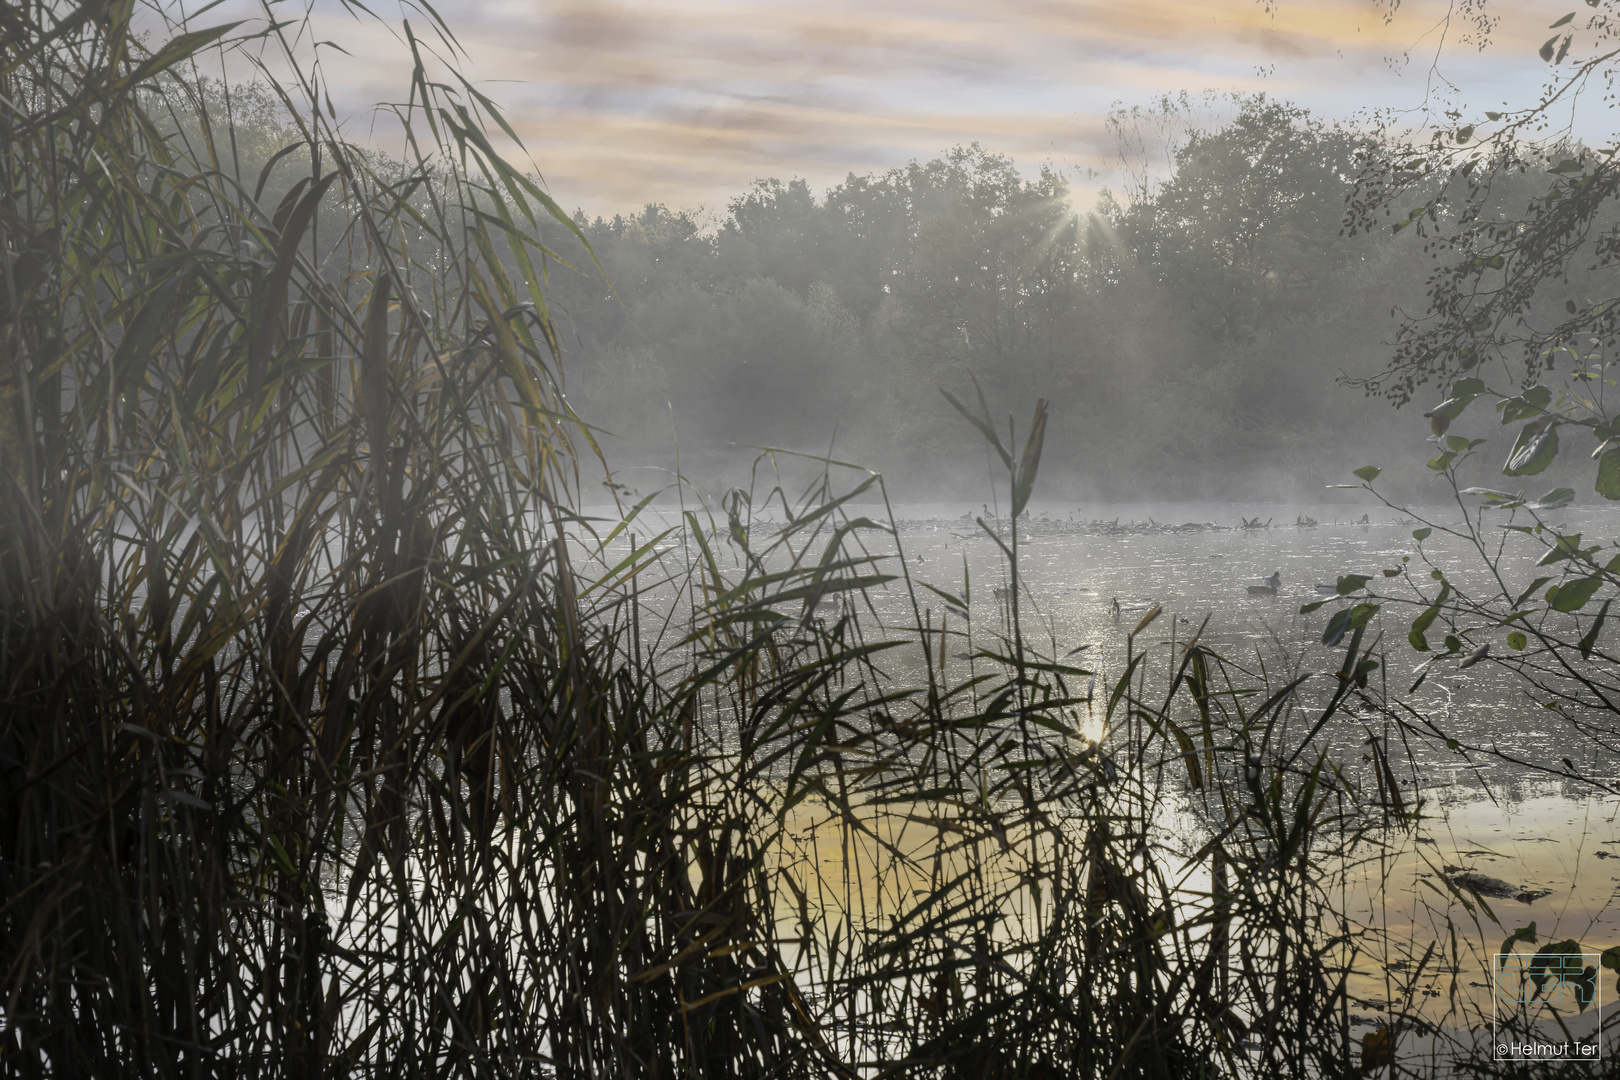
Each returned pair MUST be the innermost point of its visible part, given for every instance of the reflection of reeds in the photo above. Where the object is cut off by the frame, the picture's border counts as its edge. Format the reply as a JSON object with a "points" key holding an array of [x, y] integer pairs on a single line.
{"points": [[324, 753]]}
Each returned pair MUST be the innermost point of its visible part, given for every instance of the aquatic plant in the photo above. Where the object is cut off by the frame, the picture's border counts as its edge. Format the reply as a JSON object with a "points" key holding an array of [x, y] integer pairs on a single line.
{"points": [[336, 740], [1499, 582]]}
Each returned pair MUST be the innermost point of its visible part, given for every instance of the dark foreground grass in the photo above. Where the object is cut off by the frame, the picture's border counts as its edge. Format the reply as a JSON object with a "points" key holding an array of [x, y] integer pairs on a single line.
{"points": [[333, 742]]}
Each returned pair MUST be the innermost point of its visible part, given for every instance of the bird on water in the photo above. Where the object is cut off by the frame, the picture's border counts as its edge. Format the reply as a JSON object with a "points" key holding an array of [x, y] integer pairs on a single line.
{"points": [[1267, 586]]}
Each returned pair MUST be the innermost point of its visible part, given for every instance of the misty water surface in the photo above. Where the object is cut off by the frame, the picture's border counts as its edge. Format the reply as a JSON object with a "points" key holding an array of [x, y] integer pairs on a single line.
{"points": [[1511, 822], [1071, 578]]}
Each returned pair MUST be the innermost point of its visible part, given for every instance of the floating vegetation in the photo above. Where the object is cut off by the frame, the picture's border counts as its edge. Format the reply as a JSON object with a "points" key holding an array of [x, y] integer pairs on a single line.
{"points": [[1495, 888], [1033, 526]]}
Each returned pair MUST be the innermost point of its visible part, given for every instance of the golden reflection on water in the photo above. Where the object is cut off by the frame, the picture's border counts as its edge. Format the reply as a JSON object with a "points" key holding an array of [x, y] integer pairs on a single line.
{"points": [[1535, 840], [870, 865], [873, 862]]}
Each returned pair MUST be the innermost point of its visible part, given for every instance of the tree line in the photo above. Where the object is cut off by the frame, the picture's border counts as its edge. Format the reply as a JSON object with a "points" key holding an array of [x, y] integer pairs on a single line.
{"points": [[1190, 331], [1219, 327]]}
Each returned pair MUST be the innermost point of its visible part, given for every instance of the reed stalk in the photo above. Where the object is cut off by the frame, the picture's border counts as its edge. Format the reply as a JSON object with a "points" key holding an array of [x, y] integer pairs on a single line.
{"points": [[335, 740]]}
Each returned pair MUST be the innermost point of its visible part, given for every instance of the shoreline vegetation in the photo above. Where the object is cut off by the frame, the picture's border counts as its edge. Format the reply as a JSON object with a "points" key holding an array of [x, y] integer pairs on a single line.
{"points": [[323, 754], [1044, 525]]}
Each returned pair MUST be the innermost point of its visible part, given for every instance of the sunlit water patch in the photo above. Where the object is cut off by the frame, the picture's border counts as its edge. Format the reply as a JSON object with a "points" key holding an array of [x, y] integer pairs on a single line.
{"points": [[1487, 844]]}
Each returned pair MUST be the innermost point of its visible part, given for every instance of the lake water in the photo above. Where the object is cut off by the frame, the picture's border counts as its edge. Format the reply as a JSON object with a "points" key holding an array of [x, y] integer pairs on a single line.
{"points": [[1555, 842], [1552, 840], [1073, 574]]}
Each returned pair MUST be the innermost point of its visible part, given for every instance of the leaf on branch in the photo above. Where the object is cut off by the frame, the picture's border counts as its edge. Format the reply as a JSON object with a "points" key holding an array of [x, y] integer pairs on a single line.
{"points": [[1452, 407], [1566, 547], [1534, 450], [1349, 619], [1532, 402], [1589, 639], [1555, 499], [1534, 585], [1420, 626], [1415, 213], [1608, 474], [1352, 582], [1573, 595], [1336, 627], [1497, 499]]}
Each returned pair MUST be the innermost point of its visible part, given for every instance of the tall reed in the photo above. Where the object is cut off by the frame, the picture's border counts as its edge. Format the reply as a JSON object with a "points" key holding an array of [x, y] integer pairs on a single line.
{"points": [[335, 740]]}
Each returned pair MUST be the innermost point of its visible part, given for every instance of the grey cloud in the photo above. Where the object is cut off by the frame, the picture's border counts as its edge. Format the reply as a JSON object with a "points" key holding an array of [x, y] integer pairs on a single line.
{"points": [[622, 102]]}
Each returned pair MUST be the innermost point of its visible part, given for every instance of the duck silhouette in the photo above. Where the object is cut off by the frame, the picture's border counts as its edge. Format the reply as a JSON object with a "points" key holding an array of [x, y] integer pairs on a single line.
{"points": [[1267, 586]]}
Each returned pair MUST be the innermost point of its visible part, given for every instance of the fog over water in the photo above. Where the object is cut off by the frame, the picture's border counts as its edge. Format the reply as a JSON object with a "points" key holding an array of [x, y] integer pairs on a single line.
{"points": [[1507, 823], [1195, 560], [952, 620]]}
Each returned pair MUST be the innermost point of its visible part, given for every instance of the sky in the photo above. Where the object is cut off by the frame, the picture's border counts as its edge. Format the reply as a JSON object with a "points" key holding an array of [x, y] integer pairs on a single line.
{"points": [[620, 103]]}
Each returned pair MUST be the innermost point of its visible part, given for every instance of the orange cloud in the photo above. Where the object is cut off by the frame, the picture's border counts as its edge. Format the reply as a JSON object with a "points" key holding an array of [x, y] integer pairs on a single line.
{"points": [[622, 102]]}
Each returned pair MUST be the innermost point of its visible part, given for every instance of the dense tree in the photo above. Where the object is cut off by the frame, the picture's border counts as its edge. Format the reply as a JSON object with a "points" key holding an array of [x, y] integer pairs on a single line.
{"points": [[1183, 332], [1522, 224], [1243, 230], [1518, 227]]}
